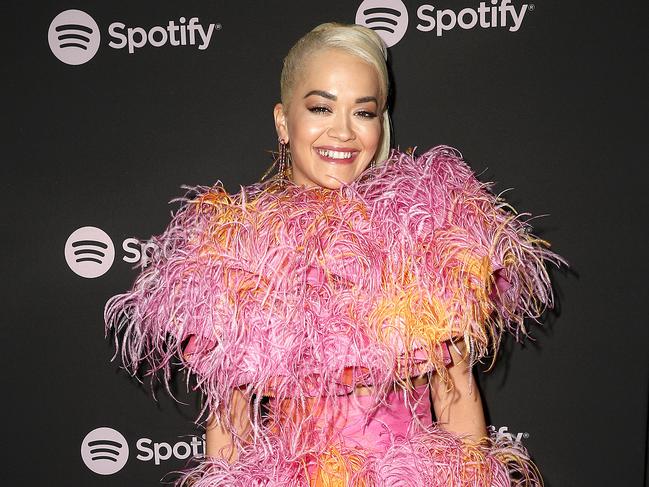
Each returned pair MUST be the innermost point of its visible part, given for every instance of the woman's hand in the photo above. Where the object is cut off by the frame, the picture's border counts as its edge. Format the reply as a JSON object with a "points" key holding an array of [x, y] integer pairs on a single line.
{"points": [[219, 442], [457, 404]]}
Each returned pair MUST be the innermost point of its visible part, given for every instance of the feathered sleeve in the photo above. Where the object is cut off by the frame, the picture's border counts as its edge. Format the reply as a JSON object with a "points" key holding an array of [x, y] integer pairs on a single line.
{"points": [[180, 295], [467, 265]]}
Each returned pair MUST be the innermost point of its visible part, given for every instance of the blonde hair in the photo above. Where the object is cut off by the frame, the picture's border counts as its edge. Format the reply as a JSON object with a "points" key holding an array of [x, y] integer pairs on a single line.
{"points": [[356, 40]]}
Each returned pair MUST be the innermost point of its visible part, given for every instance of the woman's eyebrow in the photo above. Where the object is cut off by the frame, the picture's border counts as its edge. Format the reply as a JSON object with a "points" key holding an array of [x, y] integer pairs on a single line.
{"points": [[323, 94], [330, 96], [367, 99]]}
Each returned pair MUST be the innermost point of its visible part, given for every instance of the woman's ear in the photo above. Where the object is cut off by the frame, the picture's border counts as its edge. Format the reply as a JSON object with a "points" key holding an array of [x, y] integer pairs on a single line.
{"points": [[280, 122]]}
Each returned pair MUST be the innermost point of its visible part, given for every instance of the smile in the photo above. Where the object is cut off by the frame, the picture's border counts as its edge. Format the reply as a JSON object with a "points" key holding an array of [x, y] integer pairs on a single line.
{"points": [[336, 154]]}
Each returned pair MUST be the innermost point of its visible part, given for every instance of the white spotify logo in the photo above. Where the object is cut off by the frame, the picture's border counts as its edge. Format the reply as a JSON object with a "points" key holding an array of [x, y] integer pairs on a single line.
{"points": [[89, 252], [104, 451], [74, 37], [388, 18]]}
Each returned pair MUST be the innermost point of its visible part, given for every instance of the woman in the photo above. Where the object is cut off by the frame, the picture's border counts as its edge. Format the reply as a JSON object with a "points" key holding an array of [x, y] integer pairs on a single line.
{"points": [[326, 311]]}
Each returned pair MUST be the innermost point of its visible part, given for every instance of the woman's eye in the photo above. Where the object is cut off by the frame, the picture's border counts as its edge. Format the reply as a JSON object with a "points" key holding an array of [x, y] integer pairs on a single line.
{"points": [[366, 114], [319, 109]]}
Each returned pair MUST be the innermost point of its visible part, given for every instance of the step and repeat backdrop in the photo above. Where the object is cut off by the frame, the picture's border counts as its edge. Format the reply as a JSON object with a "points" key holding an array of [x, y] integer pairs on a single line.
{"points": [[113, 106]]}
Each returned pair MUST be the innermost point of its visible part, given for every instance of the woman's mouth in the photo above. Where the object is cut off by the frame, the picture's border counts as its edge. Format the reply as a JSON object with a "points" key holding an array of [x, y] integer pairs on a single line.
{"points": [[337, 156]]}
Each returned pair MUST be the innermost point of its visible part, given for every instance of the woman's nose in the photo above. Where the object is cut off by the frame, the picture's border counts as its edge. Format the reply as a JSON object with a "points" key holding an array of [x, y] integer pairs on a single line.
{"points": [[341, 127]]}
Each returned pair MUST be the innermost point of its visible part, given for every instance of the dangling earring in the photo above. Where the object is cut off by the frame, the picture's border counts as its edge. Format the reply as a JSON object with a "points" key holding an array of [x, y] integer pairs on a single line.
{"points": [[284, 160], [372, 164]]}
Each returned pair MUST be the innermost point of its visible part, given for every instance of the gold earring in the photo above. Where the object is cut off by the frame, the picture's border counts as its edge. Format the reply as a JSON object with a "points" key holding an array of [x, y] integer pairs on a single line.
{"points": [[284, 162]]}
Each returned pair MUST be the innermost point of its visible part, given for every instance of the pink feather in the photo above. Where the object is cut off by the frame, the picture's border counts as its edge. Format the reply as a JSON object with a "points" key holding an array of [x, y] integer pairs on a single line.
{"points": [[296, 293]]}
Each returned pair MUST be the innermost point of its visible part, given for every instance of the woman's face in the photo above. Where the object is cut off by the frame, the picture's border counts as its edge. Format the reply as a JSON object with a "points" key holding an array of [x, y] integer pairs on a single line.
{"points": [[332, 124]]}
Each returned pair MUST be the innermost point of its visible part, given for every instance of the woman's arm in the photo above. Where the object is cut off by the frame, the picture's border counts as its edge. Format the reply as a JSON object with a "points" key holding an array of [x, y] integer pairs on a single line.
{"points": [[219, 442], [457, 404]]}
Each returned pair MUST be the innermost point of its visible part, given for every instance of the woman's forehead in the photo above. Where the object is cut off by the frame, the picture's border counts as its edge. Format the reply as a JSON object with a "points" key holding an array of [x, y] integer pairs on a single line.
{"points": [[337, 72]]}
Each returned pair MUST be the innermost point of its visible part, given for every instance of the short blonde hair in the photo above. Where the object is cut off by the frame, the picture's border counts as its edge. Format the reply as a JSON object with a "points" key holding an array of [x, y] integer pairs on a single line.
{"points": [[356, 40]]}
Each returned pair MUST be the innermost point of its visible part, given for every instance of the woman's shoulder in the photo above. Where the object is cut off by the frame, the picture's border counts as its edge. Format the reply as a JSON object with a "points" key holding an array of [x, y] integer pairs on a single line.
{"points": [[416, 192], [408, 171]]}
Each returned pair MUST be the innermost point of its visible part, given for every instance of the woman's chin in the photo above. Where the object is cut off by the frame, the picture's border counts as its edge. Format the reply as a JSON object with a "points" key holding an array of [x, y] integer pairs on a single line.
{"points": [[334, 184], [335, 181], [328, 177], [325, 182]]}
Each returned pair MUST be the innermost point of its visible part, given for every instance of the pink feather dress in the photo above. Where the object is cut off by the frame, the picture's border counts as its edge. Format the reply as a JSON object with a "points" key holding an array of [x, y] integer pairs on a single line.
{"points": [[299, 295]]}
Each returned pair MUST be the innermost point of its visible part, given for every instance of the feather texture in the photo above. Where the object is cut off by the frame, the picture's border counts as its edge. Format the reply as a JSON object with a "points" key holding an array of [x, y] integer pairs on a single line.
{"points": [[296, 292], [430, 458]]}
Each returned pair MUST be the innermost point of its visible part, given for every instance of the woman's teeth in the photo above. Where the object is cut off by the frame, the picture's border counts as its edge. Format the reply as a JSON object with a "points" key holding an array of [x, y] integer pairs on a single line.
{"points": [[333, 154]]}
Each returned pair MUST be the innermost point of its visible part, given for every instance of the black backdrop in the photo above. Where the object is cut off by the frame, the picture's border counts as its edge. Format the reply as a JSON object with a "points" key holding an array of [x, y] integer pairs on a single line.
{"points": [[556, 110]]}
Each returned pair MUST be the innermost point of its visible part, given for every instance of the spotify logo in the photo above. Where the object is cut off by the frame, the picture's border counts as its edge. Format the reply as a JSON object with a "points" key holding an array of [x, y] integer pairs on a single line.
{"points": [[389, 18], [104, 451], [89, 252], [74, 37]]}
